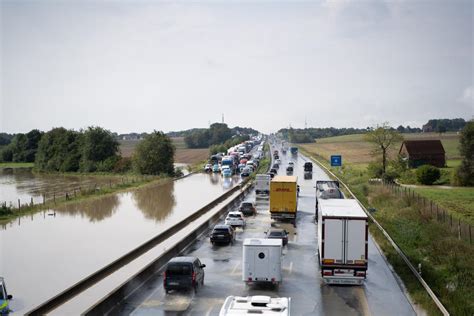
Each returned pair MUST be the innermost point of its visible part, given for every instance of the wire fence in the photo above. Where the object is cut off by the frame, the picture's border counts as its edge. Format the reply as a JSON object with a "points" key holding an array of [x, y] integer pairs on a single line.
{"points": [[69, 193], [430, 209]]}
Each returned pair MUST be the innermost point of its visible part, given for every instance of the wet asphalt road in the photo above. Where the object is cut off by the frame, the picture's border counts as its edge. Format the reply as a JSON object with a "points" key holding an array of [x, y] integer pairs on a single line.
{"points": [[380, 295]]}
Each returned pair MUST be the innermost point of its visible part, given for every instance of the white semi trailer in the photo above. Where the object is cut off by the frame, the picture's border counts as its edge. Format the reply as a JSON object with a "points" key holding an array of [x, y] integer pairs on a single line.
{"points": [[343, 241]]}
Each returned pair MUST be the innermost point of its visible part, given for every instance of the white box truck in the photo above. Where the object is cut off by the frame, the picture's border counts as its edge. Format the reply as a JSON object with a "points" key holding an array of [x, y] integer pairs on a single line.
{"points": [[262, 184], [343, 241], [261, 261]]}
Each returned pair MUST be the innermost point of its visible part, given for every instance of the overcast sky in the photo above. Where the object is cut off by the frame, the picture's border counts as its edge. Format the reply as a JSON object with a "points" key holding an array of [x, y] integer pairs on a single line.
{"points": [[144, 65]]}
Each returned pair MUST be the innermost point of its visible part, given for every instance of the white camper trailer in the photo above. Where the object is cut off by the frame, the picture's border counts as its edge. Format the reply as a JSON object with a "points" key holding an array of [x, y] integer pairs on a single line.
{"points": [[262, 261]]}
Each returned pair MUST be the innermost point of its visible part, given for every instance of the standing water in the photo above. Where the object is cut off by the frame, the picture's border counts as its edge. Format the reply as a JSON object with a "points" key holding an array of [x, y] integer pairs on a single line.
{"points": [[44, 253]]}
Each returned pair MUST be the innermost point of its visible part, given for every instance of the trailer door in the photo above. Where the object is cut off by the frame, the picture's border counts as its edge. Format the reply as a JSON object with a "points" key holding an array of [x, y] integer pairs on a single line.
{"points": [[334, 240], [262, 263], [355, 240]]}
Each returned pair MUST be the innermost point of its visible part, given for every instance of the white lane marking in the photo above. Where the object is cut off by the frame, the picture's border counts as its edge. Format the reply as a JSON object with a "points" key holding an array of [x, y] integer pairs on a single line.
{"points": [[291, 267], [235, 268], [209, 311]]}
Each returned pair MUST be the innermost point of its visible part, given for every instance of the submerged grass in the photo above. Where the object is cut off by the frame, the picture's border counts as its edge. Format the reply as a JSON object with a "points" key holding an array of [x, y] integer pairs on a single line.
{"points": [[8, 213]]}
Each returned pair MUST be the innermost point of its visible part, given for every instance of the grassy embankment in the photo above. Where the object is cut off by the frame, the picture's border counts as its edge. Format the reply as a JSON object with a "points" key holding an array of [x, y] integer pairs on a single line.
{"points": [[447, 263], [16, 165]]}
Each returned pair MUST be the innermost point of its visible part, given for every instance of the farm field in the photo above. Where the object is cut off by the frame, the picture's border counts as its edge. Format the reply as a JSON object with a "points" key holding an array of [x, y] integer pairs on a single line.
{"points": [[182, 155], [459, 200], [355, 150]]}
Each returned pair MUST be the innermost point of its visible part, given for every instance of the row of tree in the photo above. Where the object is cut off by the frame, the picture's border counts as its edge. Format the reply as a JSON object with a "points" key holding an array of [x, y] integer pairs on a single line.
{"points": [[216, 134], [444, 125], [91, 150]]}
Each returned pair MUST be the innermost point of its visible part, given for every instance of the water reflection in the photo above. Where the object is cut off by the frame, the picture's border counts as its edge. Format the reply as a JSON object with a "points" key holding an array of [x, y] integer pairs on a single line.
{"points": [[95, 210], [156, 202]]}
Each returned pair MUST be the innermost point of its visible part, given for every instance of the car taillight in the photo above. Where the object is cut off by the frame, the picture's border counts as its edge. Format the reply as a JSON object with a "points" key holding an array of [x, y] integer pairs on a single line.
{"points": [[164, 278], [327, 272], [249, 279], [360, 273], [194, 277]]}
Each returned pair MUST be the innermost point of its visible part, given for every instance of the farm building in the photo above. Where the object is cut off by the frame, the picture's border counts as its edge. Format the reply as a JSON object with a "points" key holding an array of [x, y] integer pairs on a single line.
{"points": [[422, 152]]}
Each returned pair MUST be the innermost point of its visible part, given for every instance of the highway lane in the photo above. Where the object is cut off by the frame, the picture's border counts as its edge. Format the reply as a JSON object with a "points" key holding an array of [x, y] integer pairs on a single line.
{"points": [[302, 281]]}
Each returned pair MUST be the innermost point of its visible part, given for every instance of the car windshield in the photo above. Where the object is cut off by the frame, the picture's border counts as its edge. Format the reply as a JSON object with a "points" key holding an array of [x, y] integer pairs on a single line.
{"points": [[246, 204], [178, 269], [220, 230], [234, 215], [276, 234], [2, 291]]}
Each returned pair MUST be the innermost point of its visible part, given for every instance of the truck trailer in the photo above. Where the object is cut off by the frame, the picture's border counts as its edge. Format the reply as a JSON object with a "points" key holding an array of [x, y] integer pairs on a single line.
{"points": [[284, 198], [262, 184], [343, 241], [261, 261]]}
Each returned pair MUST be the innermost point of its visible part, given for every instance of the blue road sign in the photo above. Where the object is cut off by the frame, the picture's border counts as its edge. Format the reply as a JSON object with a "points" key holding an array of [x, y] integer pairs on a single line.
{"points": [[336, 160]]}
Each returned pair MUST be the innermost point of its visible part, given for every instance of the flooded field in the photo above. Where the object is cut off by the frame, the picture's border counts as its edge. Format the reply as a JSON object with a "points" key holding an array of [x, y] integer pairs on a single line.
{"points": [[23, 184], [44, 253]]}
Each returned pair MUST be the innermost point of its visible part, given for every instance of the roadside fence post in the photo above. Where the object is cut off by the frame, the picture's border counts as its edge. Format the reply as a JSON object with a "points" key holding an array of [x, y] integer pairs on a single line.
{"points": [[19, 205], [31, 204], [459, 228], [44, 199]]}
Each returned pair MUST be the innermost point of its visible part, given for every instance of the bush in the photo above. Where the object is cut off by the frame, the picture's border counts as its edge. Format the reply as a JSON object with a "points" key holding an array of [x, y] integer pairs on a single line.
{"points": [[123, 165], [427, 174], [6, 154], [375, 169]]}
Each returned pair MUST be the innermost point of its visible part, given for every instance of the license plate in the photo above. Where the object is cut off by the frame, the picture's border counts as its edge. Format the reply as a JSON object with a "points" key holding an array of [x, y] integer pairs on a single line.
{"points": [[173, 283], [220, 236]]}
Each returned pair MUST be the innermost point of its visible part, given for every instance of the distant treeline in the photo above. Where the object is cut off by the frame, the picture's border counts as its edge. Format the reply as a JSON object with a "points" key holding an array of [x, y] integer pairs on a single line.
{"points": [[308, 135], [444, 125], [217, 134]]}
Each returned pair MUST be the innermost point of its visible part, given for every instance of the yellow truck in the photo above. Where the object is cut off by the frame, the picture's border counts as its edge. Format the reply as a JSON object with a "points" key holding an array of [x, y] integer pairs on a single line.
{"points": [[284, 198]]}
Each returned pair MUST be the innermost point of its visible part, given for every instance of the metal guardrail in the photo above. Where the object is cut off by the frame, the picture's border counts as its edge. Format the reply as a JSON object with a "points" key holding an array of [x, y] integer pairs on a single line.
{"points": [[393, 243], [100, 274]]}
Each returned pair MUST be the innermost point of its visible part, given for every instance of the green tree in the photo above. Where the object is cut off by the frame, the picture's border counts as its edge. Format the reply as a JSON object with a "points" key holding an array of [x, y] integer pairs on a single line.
{"points": [[99, 150], [465, 172], [58, 150], [383, 137], [154, 155], [219, 133], [427, 174]]}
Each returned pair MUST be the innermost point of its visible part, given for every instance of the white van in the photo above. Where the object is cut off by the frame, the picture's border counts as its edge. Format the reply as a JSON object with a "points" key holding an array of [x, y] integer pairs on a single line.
{"points": [[261, 261], [258, 304], [262, 184]]}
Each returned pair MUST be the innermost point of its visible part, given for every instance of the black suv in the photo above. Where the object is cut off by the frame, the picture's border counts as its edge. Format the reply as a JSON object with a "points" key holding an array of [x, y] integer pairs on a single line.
{"points": [[247, 208], [183, 273], [222, 234]]}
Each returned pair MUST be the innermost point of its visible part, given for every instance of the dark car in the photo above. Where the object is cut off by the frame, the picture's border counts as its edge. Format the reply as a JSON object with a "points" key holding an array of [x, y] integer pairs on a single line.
{"points": [[247, 208], [271, 175], [276, 166], [222, 234], [274, 171], [183, 273], [278, 233], [245, 172], [308, 175], [289, 170]]}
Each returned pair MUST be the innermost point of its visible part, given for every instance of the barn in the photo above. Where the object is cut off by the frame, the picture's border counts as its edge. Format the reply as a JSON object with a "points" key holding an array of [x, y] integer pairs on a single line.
{"points": [[422, 152]]}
